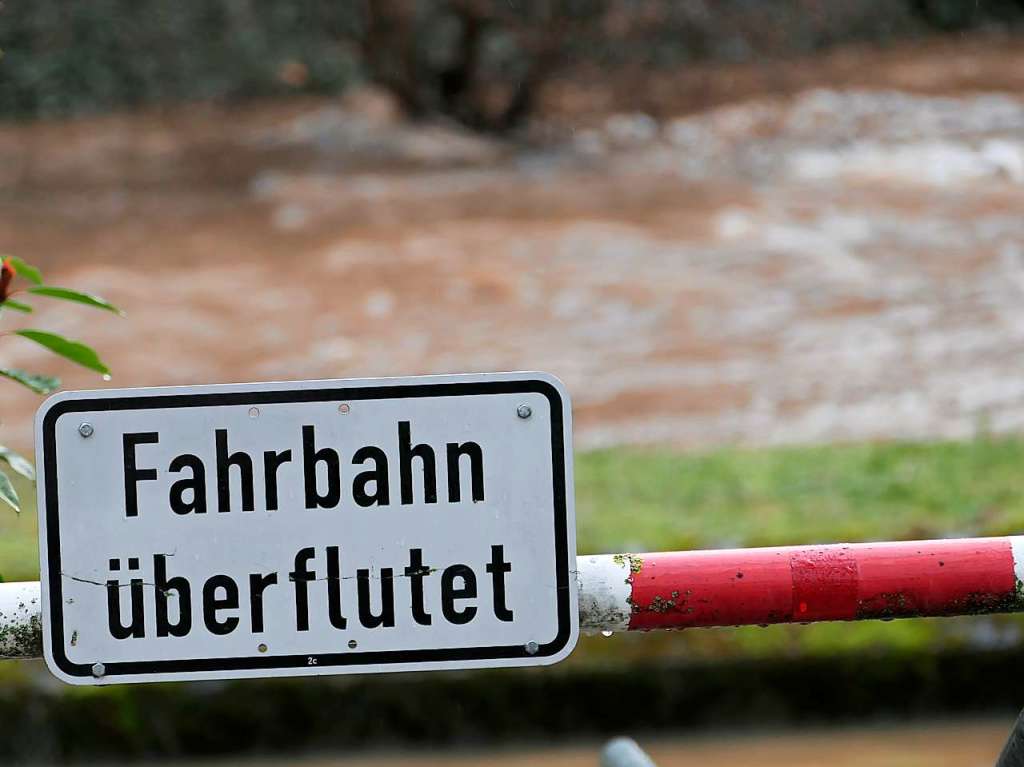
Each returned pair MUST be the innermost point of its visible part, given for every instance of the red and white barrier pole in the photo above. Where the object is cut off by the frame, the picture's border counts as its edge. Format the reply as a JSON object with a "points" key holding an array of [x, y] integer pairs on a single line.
{"points": [[736, 587], [801, 584]]}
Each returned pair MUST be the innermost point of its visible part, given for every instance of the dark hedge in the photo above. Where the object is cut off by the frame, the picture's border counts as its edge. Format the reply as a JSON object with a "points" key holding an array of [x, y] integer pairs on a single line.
{"points": [[71, 56], [489, 709]]}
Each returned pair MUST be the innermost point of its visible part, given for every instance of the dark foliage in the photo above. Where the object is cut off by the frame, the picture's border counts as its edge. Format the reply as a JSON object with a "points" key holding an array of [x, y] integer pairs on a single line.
{"points": [[487, 709], [480, 62]]}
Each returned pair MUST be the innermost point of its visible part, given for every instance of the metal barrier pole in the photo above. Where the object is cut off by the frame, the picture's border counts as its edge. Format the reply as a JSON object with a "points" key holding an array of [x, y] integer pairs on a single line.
{"points": [[1013, 752], [801, 584], [736, 587], [624, 752]]}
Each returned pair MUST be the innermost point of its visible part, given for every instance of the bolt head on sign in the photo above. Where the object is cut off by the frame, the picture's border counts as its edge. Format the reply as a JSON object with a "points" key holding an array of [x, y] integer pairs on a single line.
{"points": [[309, 527]]}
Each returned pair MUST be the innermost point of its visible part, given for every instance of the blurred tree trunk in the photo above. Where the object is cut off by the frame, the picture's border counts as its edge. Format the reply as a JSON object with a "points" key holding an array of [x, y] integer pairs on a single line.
{"points": [[480, 62]]}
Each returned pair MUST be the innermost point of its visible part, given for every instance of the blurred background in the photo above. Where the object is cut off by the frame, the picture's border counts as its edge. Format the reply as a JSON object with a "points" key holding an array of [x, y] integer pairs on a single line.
{"points": [[774, 249]]}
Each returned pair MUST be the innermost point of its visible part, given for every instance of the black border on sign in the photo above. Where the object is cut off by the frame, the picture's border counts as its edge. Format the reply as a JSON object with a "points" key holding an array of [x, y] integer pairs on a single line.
{"points": [[325, 661]]}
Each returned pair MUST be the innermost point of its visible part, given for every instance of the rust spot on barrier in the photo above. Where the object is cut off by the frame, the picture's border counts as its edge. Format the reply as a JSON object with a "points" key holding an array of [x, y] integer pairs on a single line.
{"points": [[632, 561], [978, 603], [900, 605], [661, 605], [20, 638]]}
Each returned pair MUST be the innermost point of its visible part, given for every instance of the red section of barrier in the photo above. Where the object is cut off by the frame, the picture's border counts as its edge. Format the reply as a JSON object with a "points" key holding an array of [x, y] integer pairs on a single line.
{"points": [[815, 583], [936, 578], [824, 584]]}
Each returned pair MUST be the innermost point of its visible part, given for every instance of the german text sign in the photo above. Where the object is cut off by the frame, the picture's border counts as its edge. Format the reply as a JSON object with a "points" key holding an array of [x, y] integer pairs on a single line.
{"points": [[314, 527]]}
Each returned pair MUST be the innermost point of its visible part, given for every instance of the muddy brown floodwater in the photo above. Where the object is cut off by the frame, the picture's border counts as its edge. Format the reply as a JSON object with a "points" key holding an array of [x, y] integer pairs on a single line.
{"points": [[947, 744], [842, 259]]}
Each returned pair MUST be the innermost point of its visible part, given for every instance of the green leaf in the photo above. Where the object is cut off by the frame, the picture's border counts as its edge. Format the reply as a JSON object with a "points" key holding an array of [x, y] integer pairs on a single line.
{"points": [[18, 463], [8, 494], [66, 348], [73, 295], [37, 383], [27, 271], [17, 306]]}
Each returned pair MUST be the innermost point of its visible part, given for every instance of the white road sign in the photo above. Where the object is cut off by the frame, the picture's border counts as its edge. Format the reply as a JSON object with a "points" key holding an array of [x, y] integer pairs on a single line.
{"points": [[314, 527]]}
